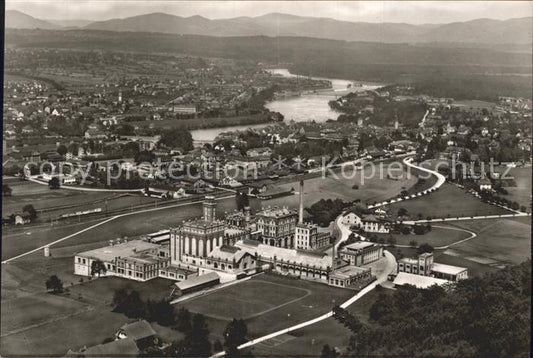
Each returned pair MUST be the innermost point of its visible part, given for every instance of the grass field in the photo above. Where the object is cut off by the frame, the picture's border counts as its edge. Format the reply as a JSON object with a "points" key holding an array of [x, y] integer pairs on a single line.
{"points": [[309, 340], [448, 201], [438, 236], [506, 241], [499, 243], [269, 303], [374, 189], [521, 193], [52, 203], [33, 321], [242, 301]]}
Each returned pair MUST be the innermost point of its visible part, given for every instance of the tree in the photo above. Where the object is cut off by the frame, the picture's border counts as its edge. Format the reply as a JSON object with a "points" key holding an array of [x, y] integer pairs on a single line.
{"points": [[183, 320], [217, 346], [98, 268], [425, 247], [419, 230], [54, 284], [54, 183], [326, 351], [162, 312], [30, 210], [177, 138], [235, 333], [144, 156], [62, 150], [402, 212], [413, 243], [196, 341], [6, 190]]}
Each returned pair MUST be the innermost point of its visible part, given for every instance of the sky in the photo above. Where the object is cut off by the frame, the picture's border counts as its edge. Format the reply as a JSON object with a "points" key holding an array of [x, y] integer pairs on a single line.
{"points": [[413, 12]]}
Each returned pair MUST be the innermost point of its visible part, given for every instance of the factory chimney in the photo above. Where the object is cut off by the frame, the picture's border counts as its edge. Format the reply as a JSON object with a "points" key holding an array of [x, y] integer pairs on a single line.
{"points": [[301, 209]]}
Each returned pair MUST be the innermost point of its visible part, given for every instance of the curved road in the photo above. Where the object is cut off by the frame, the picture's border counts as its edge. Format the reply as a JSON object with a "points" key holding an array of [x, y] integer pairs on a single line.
{"points": [[408, 161]]}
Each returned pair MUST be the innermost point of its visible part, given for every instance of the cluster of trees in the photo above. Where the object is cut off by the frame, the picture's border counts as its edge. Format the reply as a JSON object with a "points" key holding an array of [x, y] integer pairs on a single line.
{"points": [[177, 138], [325, 211], [242, 200], [487, 196], [195, 342], [311, 148], [478, 317], [131, 305]]}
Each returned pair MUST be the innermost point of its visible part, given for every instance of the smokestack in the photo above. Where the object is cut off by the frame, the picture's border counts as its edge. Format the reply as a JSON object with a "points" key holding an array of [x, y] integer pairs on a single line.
{"points": [[301, 209]]}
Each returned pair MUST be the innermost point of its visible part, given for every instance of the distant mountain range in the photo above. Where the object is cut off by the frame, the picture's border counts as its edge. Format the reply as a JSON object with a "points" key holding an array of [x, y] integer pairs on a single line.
{"points": [[481, 31]]}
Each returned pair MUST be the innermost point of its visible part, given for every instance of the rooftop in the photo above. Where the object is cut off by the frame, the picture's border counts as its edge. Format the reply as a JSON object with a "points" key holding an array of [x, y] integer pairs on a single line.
{"points": [[360, 245], [197, 280], [276, 212], [447, 269], [348, 271], [138, 330], [126, 249], [418, 281], [285, 254], [120, 347]]}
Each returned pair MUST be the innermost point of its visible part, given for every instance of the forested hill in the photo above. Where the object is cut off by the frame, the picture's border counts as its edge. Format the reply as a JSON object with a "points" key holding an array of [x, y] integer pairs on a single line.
{"points": [[465, 72], [482, 317], [272, 49]]}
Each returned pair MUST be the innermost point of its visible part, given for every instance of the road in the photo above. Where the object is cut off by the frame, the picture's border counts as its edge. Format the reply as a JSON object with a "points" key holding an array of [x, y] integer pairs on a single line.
{"points": [[408, 161]]}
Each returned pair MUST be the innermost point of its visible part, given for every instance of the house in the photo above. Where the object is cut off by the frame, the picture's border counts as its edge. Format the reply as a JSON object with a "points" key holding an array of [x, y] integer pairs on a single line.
{"points": [[122, 347], [141, 332], [94, 133], [21, 219], [366, 222], [485, 184], [259, 152]]}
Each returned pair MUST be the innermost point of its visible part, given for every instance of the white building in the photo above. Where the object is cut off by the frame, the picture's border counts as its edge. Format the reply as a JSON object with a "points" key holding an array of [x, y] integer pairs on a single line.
{"points": [[369, 223]]}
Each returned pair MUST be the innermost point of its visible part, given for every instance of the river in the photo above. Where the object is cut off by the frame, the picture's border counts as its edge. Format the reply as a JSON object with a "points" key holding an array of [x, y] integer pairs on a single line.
{"points": [[307, 107]]}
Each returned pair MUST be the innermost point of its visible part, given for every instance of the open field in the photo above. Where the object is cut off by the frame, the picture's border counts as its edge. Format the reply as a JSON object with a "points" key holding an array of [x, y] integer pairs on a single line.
{"points": [[370, 189], [499, 242], [506, 241], [242, 301], [448, 201], [293, 302], [17, 242], [34, 321], [309, 340], [520, 193], [438, 236]]}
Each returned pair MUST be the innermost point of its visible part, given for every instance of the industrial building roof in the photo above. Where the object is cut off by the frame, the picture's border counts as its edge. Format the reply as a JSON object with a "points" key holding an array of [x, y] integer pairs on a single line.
{"points": [[418, 281], [125, 249], [286, 254], [197, 280], [447, 269]]}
